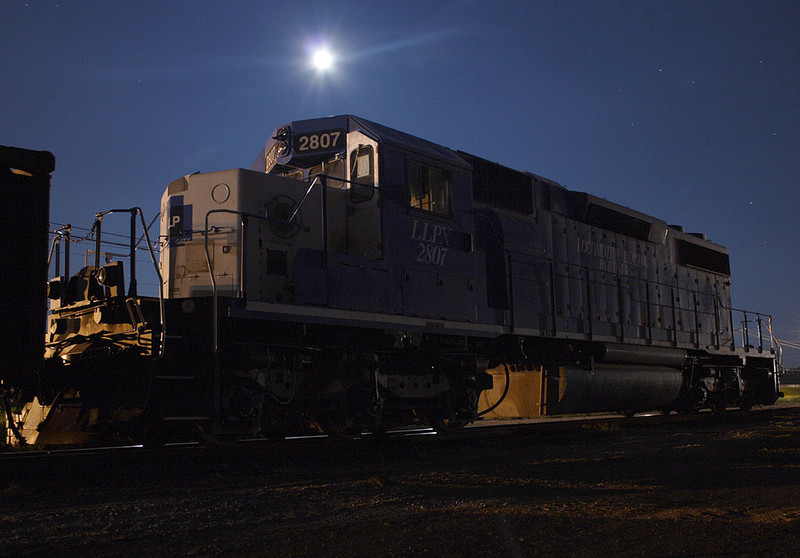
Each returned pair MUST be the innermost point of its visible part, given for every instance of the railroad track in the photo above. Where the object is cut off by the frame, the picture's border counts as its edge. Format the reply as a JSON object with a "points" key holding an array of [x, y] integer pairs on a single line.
{"points": [[544, 429]]}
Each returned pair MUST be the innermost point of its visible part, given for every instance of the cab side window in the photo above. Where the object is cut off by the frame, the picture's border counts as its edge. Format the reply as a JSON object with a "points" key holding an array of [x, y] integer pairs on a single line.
{"points": [[430, 189], [361, 162], [334, 169], [362, 174]]}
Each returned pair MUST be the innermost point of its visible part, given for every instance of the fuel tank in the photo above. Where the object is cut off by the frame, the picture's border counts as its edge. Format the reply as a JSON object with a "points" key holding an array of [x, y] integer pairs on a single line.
{"points": [[616, 387]]}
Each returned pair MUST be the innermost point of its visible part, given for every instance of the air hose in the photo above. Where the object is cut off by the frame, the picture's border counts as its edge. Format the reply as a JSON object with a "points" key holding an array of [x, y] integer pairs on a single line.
{"points": [[502, 397]]}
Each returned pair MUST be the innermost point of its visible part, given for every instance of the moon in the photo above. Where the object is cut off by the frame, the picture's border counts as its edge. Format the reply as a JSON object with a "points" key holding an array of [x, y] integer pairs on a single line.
{"points": [[322, 60]]}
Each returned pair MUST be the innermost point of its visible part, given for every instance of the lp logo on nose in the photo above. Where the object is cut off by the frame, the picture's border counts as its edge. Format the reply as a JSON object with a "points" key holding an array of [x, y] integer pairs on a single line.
{"points": [[180, 221]]}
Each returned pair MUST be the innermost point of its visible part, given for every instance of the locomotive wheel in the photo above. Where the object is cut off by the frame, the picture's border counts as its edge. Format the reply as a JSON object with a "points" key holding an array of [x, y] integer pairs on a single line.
{"points": [[336, 426], [446, 426], [212, 436], [378, 431], [152, 437], [746, 403]]}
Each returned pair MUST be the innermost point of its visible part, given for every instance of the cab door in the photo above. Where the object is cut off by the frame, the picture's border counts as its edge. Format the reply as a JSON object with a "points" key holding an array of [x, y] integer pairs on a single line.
{"points": [[362, 217]]}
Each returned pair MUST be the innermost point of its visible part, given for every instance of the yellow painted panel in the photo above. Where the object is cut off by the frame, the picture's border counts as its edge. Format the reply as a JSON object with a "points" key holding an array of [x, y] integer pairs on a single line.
{"points": [[524, 398]]}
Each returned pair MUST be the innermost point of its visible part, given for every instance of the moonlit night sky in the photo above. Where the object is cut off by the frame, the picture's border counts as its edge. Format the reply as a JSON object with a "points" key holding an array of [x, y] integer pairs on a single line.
{"points": [[688, 111]]}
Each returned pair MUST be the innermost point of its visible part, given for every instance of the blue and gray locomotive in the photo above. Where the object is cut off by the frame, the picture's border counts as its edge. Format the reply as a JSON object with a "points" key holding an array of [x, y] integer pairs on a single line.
{"points": [[359, 278]]}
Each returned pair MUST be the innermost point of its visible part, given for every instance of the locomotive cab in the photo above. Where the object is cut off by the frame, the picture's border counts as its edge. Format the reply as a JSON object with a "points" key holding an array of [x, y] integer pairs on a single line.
{"points": [[336, 212], [267, 234]]}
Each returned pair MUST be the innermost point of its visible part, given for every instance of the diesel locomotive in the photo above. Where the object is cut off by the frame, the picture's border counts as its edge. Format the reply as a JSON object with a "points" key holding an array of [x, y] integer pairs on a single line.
{"points": [[358, 278]]}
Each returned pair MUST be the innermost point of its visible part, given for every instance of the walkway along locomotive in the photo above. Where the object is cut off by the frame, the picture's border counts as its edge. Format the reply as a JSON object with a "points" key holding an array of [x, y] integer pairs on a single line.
{"points": [[358, 278]]}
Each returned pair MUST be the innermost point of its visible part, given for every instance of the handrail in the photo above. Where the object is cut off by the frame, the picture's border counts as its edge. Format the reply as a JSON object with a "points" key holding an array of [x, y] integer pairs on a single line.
{"points": [[759, 320], [775, 346], [750, 317], [63, 232], [60, 233], [134, 211]]}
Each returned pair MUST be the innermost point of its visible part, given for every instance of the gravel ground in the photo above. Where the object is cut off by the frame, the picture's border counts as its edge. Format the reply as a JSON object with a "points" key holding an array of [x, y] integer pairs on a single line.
{"points": [[722, 486]]}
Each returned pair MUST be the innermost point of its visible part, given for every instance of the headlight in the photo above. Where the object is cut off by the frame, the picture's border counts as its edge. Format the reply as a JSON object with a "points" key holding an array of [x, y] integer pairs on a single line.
{"points": [[282, 149], [283, 137]]}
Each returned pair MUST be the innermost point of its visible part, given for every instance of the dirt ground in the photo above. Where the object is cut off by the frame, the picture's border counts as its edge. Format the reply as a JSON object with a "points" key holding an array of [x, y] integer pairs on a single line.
{"points": [[724, 486]]}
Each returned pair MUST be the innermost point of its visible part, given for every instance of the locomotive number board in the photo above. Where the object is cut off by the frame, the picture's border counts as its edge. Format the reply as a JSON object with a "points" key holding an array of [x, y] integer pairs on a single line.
{"points": [[329, 140]]}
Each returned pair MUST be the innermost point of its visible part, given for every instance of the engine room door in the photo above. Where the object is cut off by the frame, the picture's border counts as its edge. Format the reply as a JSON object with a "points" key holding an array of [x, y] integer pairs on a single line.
{"points": [[363, 218]]}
